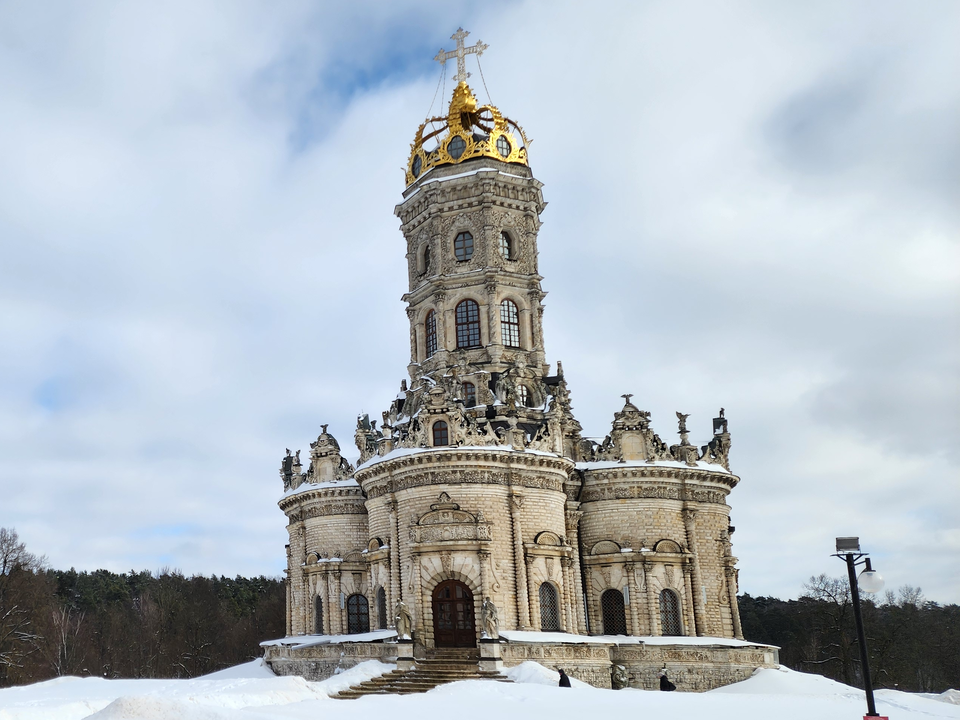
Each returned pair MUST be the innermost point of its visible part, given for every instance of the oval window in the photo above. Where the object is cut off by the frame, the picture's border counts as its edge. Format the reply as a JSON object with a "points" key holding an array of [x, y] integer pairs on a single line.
{"points": [[416, 166], [456, 147], [503, 146]]}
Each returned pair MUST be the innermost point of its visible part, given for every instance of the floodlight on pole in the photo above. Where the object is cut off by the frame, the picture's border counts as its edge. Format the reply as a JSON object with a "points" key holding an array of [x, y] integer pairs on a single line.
{"points": [[848, 549]]}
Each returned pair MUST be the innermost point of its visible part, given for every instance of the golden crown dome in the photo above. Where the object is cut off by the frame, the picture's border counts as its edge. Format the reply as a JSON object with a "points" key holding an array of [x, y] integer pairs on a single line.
{"points": [[466, 132]]}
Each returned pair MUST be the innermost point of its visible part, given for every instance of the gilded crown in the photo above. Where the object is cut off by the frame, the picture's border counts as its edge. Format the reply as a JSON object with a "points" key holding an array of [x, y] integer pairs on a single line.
{"points": [[466, 132]]}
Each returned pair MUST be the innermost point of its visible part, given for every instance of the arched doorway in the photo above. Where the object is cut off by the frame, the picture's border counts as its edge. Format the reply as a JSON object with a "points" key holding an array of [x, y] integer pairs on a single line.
{"points": [[453, 619]]}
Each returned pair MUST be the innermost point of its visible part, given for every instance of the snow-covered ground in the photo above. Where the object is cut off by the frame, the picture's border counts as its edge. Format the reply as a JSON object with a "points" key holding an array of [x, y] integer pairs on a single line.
{"points": [[252, 692]]}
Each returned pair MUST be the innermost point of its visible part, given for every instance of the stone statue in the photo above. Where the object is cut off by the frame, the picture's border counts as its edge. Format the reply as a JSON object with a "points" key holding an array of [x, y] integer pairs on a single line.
{"points": [[619, 678], [489, 621], [403, 622], [683, 421]]}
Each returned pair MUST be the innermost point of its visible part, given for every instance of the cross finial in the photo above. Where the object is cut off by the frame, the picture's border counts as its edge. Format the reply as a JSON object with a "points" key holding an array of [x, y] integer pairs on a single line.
{"points": [[460, 54]]}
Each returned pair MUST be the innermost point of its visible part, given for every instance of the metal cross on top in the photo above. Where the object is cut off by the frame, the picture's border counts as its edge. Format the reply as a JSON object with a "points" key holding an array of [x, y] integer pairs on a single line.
{"points": [[460, 54]]}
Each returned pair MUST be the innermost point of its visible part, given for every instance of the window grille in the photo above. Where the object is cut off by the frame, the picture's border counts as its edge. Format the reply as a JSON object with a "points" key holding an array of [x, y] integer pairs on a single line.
{"points": [[358, 614], [510, 323], [430, 328], [318, 615], [503, 146], [614, 614], [671, 623], [469, 394], [382, 608], [440, 434], [549, 608], [463, 246], [468, 324], [523, 395], [504, 246]]}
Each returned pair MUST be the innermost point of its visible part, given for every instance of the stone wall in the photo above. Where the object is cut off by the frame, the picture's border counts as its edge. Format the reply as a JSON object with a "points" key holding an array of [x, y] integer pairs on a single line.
{"points": [[693, 668], [318, 662]]}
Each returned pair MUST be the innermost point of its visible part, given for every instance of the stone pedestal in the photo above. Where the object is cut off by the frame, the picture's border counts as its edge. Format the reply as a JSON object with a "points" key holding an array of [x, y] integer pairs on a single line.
{"points": [[405, 661], [490, 658]]}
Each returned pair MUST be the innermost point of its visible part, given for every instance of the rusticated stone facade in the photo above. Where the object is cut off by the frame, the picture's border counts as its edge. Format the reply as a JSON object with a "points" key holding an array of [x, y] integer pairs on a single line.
{"points": [[479, 484]]}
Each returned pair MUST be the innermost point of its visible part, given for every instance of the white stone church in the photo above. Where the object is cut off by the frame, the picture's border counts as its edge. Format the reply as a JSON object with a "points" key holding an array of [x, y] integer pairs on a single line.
{"points": [[478, 484]]}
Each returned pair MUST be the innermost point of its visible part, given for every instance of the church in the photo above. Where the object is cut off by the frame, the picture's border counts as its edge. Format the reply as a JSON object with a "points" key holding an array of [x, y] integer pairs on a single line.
{"points": [[479, 516]]}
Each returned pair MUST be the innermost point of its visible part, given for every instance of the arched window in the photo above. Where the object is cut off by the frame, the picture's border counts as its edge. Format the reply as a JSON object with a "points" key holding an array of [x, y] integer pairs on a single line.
{"points": [[430, 330], [463, 246], [358, 614], [614, 614], [469, 394], [318, 615], [440, 435], [549, 608], [671, 622], [505, 246], [468, 324], [382, 608], [510, 323], [523, 395]]}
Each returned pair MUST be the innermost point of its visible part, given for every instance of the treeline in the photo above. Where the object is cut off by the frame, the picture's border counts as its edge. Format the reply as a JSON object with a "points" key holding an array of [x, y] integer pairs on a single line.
{"points": [[913, 644], [131, 625]]}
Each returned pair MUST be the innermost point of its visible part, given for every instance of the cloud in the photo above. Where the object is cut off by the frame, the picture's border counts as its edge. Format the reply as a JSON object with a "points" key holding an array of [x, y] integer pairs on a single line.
{"points": [[751, 206]]}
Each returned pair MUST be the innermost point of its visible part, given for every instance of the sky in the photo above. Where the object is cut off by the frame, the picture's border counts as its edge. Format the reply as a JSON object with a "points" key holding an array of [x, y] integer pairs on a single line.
{"points": [[752, 205]]}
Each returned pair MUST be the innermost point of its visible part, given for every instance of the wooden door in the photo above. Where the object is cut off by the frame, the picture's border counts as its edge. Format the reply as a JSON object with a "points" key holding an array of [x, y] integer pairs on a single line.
{"points": [[453, 619]]}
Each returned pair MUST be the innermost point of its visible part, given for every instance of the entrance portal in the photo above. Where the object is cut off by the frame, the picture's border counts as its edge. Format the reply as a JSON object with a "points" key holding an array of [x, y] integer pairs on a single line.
{"points": [[453, 620]]}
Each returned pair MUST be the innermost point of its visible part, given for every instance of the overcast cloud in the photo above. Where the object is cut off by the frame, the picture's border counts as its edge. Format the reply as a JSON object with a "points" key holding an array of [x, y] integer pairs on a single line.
{"points": [[751, 205]]}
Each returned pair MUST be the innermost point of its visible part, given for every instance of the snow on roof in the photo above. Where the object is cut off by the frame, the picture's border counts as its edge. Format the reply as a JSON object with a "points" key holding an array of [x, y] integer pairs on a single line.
{"points": [[402, 452], [301, 641], [306, 487], [609, 464], [528, 636]]}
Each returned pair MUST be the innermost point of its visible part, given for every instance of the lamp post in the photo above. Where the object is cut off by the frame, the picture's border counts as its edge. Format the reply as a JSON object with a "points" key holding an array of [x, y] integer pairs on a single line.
{"points": [[848, 549]]}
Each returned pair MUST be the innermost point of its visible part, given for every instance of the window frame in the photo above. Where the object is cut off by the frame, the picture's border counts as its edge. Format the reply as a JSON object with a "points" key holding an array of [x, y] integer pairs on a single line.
{"points": [[510, 326], [463, 243], [468, 324], [505, 241], [430, 344], [469, 394], [438, 432]]}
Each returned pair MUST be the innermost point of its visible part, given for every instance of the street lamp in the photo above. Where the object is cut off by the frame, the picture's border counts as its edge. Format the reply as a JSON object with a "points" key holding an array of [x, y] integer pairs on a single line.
{"points": [[848, 549]]}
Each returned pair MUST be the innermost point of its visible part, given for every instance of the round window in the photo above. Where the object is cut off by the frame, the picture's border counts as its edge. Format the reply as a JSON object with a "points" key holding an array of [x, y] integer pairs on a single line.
{"points": [[416, 166], [456, 147], [503, 146]]}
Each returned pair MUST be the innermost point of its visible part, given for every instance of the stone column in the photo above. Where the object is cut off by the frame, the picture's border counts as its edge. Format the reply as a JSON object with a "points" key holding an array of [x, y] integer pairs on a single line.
{"points": [[572, 518], [731, 573], [495, 337], [689, 605], [419, 610], [533, 595], [523, 599], [395, 584], [652, 609], [482, 557], [415, 333], [286, 586], [569, 603], [324, 592], [337, 620], [690, 524], [634, 599]]}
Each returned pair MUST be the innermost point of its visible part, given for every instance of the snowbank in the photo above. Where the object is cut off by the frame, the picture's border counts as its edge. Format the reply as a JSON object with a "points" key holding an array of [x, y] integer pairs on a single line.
{"points": [[247, 693]]}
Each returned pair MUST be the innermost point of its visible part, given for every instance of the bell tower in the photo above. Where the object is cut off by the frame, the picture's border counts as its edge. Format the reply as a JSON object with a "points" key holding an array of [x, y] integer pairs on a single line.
{"points": [[470, 216]]}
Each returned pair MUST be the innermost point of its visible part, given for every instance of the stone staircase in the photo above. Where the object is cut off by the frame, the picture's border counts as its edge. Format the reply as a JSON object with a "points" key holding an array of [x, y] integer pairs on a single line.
{"points": [[439, 667]]}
